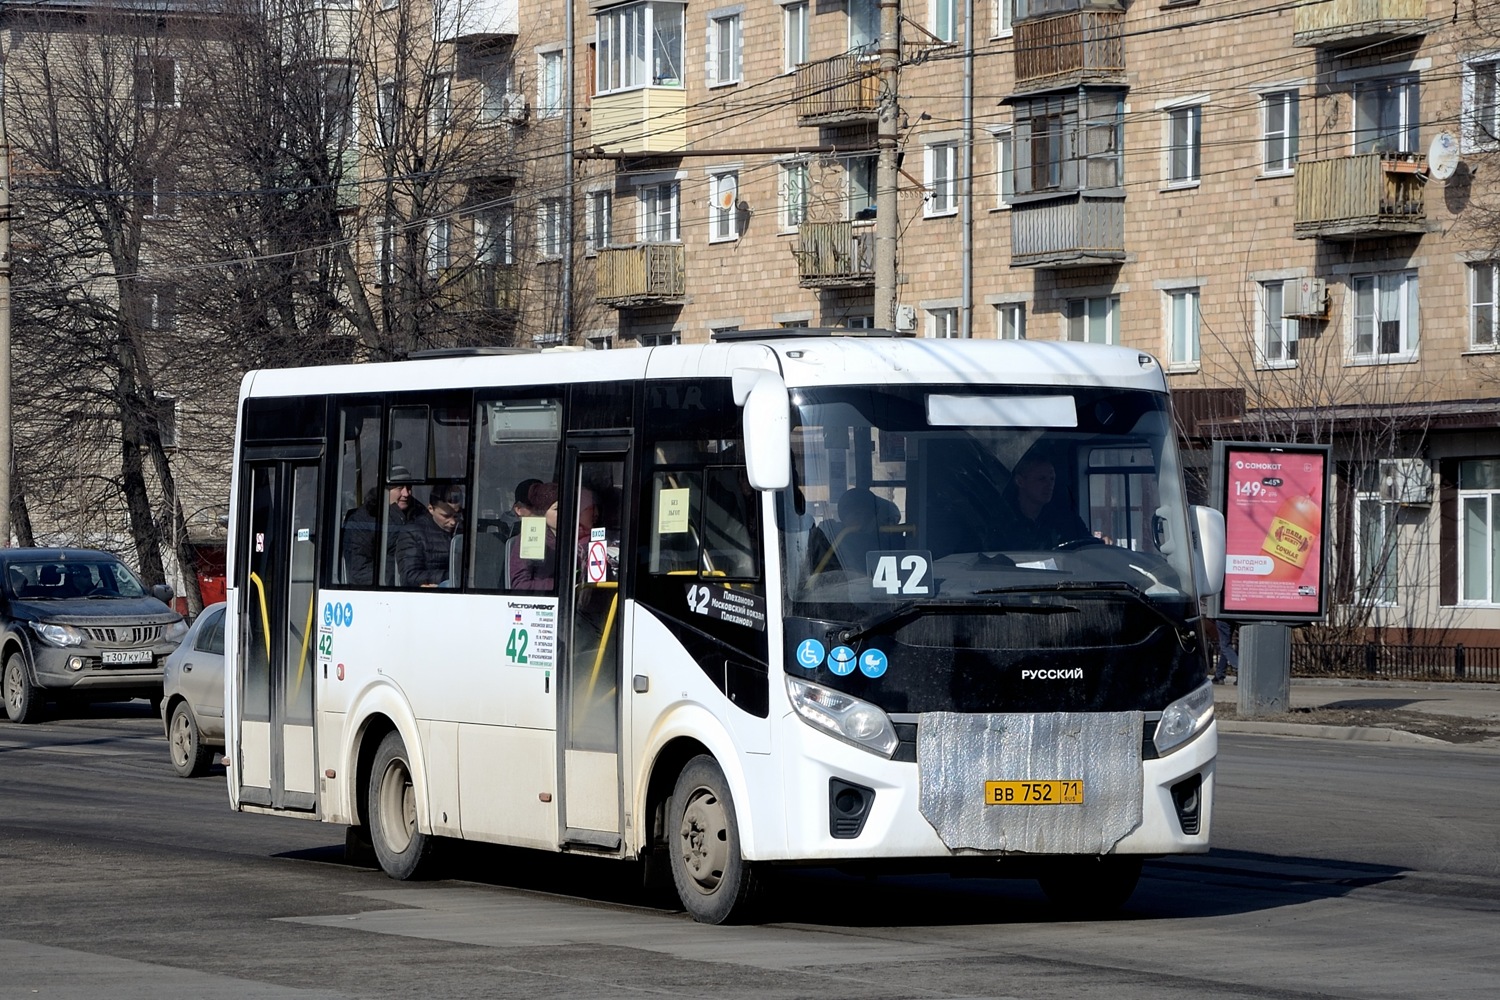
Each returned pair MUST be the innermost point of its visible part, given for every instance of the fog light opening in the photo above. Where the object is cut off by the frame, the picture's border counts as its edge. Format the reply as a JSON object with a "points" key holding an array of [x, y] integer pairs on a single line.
{"points": [[848, 807], [75, 663], [1187, 798]]}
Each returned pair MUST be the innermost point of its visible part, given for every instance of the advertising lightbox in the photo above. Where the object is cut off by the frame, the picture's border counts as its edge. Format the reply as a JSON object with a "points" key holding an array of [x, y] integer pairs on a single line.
{"points": [[1275, 503]]}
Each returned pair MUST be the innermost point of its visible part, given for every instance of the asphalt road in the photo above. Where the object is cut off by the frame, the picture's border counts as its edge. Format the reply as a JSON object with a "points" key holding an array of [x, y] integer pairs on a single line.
{"points": [[1339, 869]]}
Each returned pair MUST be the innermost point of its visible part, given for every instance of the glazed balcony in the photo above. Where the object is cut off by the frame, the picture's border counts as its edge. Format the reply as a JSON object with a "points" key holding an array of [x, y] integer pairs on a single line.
{"points": [[838, 91], [1362, 195], [1086, 46], [835, 255], [1342, 24], [481, 288], [642, 275], [1077, 230], [643, 120]]}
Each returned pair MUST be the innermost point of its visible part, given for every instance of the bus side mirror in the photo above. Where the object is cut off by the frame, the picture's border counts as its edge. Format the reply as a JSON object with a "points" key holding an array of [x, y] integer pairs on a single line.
{"points": [[1208, 550], [768, 427]]}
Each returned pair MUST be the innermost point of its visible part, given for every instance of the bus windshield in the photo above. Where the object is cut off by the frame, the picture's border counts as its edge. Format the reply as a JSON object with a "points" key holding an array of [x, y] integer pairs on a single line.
{"points": [[1018, 520]]}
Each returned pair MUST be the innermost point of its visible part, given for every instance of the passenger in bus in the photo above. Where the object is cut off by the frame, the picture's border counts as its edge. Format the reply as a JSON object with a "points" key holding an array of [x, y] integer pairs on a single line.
{"points": [[527, 571], [361, 539], [844, 543], [427, 548], [1032, 516]]}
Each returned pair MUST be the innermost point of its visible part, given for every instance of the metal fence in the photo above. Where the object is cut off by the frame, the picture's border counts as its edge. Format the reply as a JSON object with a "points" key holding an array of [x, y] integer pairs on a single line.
{"points": [[1377, 660]]}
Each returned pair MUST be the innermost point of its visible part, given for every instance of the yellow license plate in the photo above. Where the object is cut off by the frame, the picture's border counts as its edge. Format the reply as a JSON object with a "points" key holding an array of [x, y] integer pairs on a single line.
{"points": [[1033, 793]]}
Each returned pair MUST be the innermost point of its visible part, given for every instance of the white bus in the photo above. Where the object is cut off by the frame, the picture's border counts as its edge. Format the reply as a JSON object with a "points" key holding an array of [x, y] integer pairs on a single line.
{"points": [[786, 598]]}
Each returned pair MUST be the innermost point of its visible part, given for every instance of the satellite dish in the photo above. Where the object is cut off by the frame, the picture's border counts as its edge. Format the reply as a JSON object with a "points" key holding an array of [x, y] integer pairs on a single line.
{"points": [[1442, 156], [728, 192]]}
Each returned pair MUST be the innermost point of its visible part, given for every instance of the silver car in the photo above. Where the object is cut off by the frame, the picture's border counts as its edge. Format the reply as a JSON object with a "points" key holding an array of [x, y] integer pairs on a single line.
{"points": [[192, 704]]}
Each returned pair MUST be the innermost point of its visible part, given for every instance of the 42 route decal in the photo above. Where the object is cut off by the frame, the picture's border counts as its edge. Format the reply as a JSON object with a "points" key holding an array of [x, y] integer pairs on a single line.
{"points": [[739, 607]]}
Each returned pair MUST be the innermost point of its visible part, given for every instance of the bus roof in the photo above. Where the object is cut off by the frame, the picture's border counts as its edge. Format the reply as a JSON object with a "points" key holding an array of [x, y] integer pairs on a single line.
{"points": [[804, 361]]}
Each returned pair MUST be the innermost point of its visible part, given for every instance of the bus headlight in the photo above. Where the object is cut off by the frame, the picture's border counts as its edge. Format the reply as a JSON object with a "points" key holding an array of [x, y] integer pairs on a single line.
{"points": [[843, 717], [1184, 718]]}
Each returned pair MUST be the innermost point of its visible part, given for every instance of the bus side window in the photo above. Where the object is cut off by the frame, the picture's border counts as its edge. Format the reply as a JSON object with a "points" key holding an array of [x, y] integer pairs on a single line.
{"points": [[360, 495], [517, 445], [731, 524]]}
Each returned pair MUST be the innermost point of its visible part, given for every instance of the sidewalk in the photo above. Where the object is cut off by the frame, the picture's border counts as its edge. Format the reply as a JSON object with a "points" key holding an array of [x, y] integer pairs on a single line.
{"points": [[1381, 708]]}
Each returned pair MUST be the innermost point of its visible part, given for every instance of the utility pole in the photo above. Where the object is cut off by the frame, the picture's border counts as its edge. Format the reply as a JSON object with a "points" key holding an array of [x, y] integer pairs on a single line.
{"points": [[885, 167], [5, 211]]}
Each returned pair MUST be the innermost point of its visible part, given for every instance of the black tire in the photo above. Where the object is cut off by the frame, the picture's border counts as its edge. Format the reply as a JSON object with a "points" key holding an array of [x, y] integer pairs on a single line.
{"points": [[1093, 886], [23, 700], [714, 882], [404, 852], [190, 758]]}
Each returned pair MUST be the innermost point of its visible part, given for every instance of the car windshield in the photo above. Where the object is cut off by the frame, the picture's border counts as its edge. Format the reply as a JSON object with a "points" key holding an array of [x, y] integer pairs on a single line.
{"points": [[68, 579]]}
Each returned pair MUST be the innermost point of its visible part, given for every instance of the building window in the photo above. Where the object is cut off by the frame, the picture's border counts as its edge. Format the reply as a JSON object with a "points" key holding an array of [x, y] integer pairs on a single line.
{"points": [[944, 19], [1481, 104], [724, 209], [549, 84], [440, 105], [156, 81], [1375, 535], [657, 339], [860, 172], [942, 189], [439, 239], [793, 195], [1386, 116], [659, 213], [1385, 316], [1003, 15], [167, 422], [497, 98], [158, 194], [600, 221], [1280, 110], [603, 342], [387, 108], [549, 228], [1064, 142], [1479, 551], [639, 45], [158, 307], [1278, 332], [1005, 175], [494, 237], [723, 49], [864, 26], [1182, 328], [942, 324], [794, 18], [794, 324], [1010, 321], [1094, 320], [1184, 144], [1484, 294], [338, 105], [859, 323]]}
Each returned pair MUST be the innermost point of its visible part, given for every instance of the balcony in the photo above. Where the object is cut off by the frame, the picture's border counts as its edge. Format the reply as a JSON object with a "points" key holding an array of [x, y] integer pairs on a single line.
{"points": [[838, 91], [321, 32], [481, 288], [644, 275], [1068, 50], [835, 255], [1079, 230], [476, 20], [1341, 24], [1363, 195], [644, 120]]}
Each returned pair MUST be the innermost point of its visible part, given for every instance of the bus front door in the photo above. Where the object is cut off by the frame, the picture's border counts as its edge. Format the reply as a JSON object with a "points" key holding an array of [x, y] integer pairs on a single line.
{"points": [[590, 707], [277, 765]]}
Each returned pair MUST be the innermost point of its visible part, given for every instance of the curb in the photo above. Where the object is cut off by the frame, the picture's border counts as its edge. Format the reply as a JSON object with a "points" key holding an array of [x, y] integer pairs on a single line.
{"points": [[1366, 734]]}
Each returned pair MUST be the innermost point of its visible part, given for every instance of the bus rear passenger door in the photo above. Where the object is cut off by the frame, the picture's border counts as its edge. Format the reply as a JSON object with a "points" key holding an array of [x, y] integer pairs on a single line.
{"points": [[593, 616], [277, 765]]}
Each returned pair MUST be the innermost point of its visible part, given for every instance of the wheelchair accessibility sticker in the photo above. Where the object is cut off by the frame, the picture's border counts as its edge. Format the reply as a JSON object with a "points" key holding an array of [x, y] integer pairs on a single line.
{"points": [[810, 654]]}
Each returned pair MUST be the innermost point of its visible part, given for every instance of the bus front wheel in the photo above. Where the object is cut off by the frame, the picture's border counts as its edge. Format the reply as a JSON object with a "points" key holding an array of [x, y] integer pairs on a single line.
{"points": [[1091, 886], [404, 852], [715, 883]]}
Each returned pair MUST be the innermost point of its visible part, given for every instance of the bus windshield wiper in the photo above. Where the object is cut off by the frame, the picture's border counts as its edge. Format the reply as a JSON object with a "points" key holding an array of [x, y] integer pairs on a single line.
{"points": [[1091, 587], [912, 610]]}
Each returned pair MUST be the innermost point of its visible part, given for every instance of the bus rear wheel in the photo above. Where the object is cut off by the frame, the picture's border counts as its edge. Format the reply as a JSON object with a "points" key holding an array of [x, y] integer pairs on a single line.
{"points": [[1091, 886], [404, 852], [714, 882]]}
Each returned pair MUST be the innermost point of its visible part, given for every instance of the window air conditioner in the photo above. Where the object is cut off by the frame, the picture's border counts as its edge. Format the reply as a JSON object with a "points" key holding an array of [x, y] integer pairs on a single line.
{"points": [[1406, 481], [1305, 298]]}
